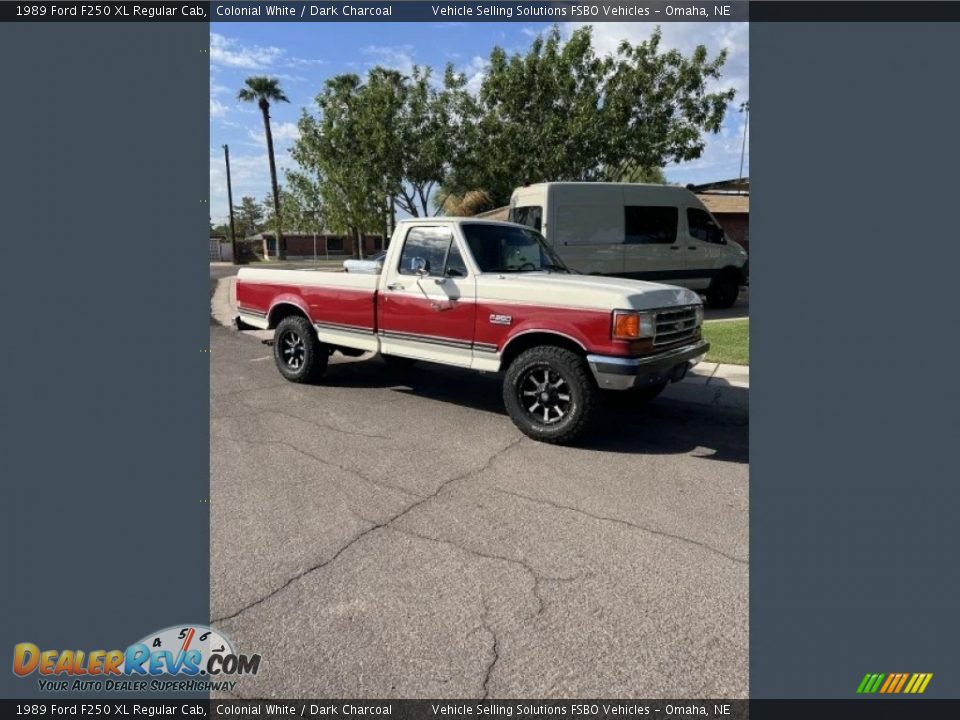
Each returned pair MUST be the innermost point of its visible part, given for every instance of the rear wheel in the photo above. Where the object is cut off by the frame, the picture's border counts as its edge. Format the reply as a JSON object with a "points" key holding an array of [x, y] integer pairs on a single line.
{"points": [[724, 290], [549, 394], [299, 354]]}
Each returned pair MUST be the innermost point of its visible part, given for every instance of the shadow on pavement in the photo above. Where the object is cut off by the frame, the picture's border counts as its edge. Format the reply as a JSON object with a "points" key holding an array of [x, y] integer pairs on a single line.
{"points": [[665, 426]]}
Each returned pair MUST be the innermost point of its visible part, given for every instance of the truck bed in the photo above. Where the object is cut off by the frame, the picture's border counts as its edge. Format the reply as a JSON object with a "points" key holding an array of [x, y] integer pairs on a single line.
{"points": [[341, 305]]}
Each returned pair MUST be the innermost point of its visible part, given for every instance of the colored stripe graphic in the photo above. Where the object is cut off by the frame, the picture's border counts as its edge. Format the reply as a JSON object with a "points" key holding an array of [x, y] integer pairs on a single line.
{"points": [[894, 683]]}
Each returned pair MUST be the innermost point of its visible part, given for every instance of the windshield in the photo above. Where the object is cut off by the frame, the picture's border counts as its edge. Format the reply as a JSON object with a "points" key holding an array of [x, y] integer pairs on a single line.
{"points": [[503, 249]]}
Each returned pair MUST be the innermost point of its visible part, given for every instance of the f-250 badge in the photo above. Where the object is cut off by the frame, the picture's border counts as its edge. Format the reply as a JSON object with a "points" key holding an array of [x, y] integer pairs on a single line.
{"points": [[501, 319]]}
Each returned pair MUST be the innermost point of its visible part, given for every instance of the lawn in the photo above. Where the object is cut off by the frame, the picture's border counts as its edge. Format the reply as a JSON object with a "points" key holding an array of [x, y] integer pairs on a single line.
{"points": [[729, 341]]}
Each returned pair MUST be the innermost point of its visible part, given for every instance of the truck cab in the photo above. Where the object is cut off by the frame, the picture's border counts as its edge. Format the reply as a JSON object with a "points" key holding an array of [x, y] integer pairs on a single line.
{"points": [[488, 296]]}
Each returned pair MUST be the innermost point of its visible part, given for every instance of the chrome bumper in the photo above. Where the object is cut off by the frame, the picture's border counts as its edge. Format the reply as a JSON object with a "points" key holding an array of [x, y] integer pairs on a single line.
{"points": [[618, 373]]}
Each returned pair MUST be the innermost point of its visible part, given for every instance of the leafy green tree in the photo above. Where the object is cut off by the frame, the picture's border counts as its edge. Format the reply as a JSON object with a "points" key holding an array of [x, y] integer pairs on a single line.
{"points": [[262, 91], [221, 230], [248, 217], [560, 112], [349, 159]]}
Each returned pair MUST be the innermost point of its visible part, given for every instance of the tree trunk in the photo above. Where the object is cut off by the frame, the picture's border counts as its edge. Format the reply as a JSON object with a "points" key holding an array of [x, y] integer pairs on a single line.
{"points": [[281, 242]]}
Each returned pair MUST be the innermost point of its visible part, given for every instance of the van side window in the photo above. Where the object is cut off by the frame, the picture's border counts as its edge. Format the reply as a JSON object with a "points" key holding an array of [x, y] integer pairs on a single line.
{"points": [[425, 243], [702, 226], [531, 216], [650, 225]]}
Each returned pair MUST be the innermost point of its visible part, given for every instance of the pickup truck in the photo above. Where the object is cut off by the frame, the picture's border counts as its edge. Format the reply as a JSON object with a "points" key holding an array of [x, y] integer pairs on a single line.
{"points": [[492, 297]]}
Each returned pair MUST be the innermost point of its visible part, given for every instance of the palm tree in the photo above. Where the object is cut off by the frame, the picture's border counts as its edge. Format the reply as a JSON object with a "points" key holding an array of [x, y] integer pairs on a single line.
{"points": [[263, 91]]}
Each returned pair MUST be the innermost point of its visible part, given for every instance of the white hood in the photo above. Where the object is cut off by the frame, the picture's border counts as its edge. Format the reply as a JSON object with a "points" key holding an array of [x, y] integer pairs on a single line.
{"points": [[586, 291]]}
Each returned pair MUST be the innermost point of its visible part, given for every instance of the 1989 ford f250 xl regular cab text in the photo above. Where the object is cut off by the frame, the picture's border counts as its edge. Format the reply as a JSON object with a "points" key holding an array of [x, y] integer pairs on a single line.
{"points": [[492, 297]]}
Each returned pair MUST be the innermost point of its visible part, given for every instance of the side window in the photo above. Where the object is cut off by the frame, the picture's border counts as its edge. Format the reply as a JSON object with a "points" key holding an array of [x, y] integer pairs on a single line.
{"points": [[702, 226], [531, 216], [645, 225], [425, 243]]}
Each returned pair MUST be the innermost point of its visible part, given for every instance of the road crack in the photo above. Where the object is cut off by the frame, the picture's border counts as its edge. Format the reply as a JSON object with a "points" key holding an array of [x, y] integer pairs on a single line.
{"points": [[495, 648], [627, 523], [322, 461], [376, 526]]}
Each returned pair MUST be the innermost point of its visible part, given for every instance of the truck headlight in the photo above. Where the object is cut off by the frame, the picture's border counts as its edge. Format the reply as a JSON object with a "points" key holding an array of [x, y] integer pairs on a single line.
{"points": [[698, 310], [632, 325]]}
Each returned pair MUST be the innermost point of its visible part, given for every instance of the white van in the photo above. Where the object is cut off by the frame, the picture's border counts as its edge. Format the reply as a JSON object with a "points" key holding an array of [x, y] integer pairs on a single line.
{"points": [[646, 232]]}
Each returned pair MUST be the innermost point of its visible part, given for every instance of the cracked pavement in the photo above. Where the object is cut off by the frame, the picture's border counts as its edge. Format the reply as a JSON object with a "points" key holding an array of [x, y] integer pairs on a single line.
{"points": [[385, 535]]}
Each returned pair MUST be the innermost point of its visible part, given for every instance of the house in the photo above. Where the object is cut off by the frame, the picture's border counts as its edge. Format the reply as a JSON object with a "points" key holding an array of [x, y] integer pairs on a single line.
{"points": [[729, 201], [323, 244]]}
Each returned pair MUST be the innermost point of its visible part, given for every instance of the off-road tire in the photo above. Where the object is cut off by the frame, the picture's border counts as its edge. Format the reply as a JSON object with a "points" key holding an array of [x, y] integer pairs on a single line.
{"points": [[724, 290], [576, 383], [299, 354]]}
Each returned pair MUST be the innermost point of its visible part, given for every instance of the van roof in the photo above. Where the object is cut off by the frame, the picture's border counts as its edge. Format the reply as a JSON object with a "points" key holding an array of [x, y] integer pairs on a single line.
{"points": [[595, 184], [443, 219]]}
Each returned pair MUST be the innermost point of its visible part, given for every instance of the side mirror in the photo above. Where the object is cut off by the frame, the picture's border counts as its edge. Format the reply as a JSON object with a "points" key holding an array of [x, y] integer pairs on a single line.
{"points": [[420, 266]]}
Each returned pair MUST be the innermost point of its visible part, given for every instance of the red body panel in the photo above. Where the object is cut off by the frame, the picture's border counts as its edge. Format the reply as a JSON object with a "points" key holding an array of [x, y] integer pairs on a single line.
{"points": [[417, 315], [339, 306], [468, 322]]}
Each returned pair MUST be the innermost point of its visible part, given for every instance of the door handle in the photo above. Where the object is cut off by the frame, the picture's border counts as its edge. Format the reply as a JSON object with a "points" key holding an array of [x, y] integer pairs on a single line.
{"points": [[395, 286], [691, 247], [674, 247]]}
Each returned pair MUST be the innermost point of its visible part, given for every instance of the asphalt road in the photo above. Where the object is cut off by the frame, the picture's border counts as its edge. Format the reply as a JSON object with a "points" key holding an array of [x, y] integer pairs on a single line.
{"points": [[386, 535]]}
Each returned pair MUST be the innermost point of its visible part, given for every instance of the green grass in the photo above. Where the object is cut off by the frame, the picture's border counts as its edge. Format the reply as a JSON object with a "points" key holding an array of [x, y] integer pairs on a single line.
{"points": [[729, 341]]}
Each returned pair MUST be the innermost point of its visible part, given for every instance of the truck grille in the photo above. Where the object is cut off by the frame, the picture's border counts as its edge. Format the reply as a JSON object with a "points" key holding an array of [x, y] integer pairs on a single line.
{"points": [[675, 325]]}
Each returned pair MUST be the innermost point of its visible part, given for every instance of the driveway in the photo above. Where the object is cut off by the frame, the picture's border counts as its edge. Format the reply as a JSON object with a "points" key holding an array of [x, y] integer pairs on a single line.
{"points": [[386, 535]]}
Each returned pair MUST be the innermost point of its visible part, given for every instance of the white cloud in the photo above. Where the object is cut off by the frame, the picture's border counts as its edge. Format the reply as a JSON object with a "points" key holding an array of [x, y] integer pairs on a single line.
{"points": [[283, 134], [475, 71], [249, 175], [230, 53], [217, 108], [396, 57]]}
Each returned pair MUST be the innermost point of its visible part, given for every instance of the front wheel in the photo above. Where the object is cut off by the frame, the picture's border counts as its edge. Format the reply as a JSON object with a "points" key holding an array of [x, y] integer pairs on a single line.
{"points": [[549, 394], [723, 291], [299, 354]]}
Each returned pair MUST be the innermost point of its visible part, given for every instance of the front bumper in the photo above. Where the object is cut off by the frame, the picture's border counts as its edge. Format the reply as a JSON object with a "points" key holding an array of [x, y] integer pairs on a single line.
{"points": [[619, 373]]}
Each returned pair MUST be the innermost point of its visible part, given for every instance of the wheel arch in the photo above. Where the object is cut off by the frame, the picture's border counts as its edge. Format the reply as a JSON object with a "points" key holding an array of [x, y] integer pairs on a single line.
{"points": [[285, 308], [527, 339]]}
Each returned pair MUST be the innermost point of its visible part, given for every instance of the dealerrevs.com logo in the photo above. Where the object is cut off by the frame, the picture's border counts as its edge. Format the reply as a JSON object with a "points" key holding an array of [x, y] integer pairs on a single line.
{"points": [[199, 657]]}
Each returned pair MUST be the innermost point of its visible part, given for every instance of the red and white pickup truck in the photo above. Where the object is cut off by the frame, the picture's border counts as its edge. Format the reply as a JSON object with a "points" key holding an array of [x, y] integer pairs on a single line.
{"points": [[489, 296]]}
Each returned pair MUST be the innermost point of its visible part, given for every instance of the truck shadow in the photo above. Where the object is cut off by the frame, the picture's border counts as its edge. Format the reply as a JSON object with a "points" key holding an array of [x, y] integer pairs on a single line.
{"points": [[665, 426]]}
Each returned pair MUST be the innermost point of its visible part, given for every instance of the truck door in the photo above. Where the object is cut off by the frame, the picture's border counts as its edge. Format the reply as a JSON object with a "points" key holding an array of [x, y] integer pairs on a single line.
{"points": [[427, 307]]}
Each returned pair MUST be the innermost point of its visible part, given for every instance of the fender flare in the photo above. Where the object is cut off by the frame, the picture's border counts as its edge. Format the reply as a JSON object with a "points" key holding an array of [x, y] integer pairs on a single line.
{"points": [[287, 299]]}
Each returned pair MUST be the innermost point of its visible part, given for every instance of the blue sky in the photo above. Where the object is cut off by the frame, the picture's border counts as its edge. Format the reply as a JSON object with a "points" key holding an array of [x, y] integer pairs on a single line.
{"points": [[304, 55]]}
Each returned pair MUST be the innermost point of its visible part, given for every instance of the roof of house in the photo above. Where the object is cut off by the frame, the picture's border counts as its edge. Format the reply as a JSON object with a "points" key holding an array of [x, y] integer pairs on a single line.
{"points": [[725, 203], [741, 185], [499, 213]]}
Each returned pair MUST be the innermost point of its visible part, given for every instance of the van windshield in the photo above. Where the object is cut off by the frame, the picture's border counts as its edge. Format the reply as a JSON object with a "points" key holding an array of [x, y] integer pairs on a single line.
{"points": [[505, 249], [531, 216]]}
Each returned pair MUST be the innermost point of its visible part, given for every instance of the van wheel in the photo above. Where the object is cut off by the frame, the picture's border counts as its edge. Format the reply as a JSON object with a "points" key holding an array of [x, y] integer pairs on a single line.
{"points": [[724, 290], [299, 354], [549, 394]]}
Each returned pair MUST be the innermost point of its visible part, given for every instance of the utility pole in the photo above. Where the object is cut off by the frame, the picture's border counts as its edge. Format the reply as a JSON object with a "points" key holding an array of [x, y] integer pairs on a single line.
{"points": [[233, 234], [744, 108]]}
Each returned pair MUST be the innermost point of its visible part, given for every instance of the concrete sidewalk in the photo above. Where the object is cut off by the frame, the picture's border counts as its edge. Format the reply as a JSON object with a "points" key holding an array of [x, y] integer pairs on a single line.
{"points": [[714, 384]]}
